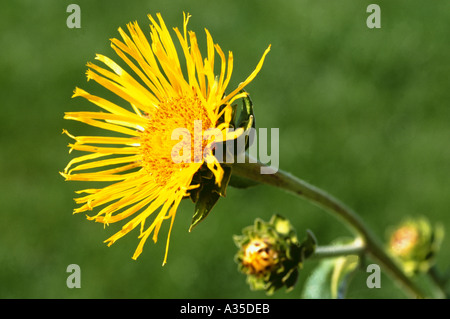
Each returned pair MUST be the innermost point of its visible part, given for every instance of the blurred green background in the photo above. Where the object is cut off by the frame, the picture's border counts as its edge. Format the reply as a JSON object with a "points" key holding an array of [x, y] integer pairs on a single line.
{"points": [[363, 113]]}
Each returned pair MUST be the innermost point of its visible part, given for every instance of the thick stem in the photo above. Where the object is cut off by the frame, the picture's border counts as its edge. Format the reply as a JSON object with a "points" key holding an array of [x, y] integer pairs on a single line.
{"points": [[251, 169]]}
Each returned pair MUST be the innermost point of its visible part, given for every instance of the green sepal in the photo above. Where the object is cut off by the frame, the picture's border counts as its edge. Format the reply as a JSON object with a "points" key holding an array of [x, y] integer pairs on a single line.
{"points": [[309, 245], [202, 176], [208, 195], [283, 227], [246, 118], [205, 203], [241, 118], [222, 190]]}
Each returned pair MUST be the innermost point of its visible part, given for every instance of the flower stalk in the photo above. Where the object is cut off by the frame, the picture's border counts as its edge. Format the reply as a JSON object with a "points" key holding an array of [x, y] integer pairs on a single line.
{"points": [[251, 169], [354, 248]]}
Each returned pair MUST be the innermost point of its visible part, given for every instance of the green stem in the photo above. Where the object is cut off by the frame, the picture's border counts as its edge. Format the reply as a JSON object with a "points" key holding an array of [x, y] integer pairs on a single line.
{"points": [[251, 169], [355, 248]]}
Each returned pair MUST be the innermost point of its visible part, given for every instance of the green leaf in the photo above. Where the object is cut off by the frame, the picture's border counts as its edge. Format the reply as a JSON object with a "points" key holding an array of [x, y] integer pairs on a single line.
{"points": [[343, 270], [331, 277], [317, 286]]}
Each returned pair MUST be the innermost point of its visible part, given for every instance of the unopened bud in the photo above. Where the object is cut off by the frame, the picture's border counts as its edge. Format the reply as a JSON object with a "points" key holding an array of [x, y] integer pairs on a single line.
{"points": [[415, 244], [270, 254]]}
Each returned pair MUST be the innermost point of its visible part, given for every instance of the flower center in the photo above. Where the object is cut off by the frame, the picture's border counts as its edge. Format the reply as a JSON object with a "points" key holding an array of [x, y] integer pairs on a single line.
{"points": [[184, 115]]}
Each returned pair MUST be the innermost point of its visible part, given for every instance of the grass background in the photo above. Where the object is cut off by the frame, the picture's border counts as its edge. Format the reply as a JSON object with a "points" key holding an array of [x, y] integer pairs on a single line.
{"points": [[363, 113]]}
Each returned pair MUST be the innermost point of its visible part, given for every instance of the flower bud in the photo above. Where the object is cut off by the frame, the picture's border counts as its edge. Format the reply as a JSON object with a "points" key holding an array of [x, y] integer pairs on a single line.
{"points": [[415, 244], [270, 254]]}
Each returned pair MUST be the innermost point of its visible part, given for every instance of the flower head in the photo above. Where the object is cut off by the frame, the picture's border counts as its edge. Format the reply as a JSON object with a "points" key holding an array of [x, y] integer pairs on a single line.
{"points": [[139, 161]]}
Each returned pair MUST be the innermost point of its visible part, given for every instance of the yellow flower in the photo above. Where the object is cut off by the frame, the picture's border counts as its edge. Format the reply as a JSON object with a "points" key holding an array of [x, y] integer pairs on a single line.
{"points": [[145, 179]]}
